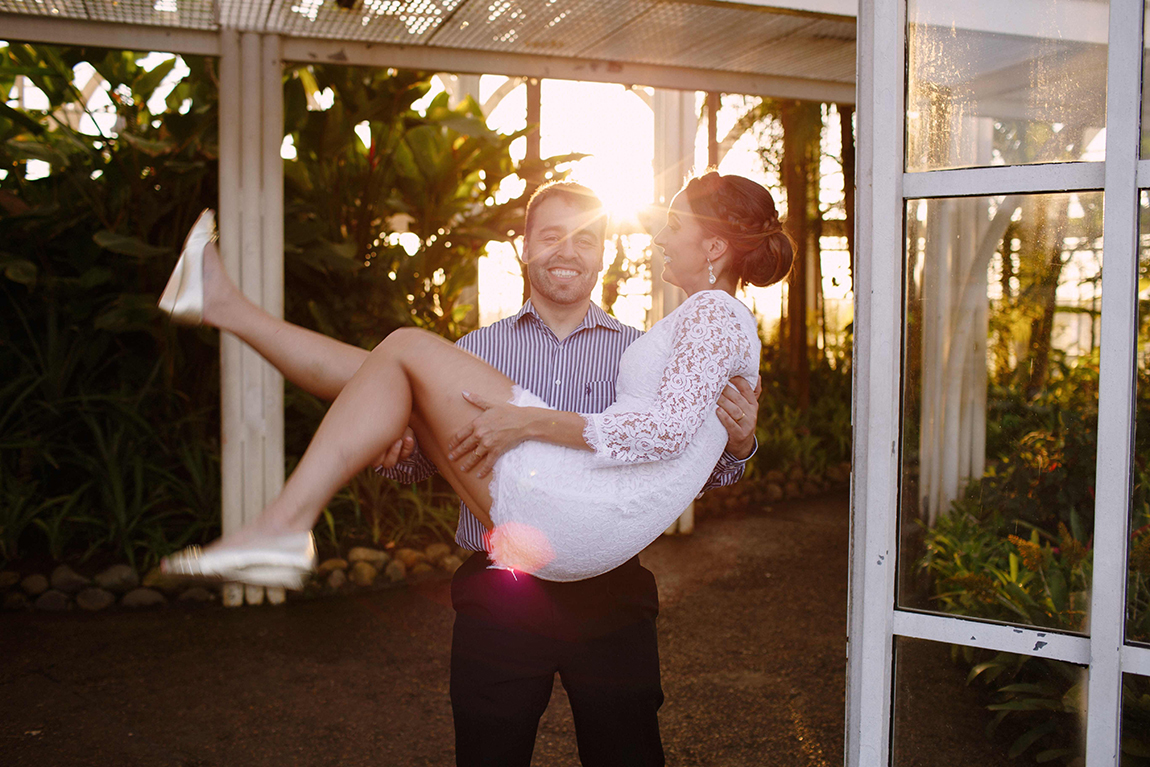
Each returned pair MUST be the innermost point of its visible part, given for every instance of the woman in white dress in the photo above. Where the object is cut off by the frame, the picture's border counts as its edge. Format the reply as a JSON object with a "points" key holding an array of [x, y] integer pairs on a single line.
{"points": [[571, 496]]}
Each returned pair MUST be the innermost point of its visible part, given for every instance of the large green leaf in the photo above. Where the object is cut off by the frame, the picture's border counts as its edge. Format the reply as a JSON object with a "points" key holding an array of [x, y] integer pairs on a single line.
{"points": [[127, 245], [21, 271], [147, 82], [20, 118], [149, 146]]}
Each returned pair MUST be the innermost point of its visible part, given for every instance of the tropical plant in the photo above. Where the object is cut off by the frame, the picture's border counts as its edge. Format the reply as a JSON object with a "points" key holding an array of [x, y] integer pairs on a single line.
{"points": [[108, 415]]}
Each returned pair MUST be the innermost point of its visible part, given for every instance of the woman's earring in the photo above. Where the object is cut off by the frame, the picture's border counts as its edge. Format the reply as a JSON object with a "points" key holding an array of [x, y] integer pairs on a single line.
{"points": [[710, 273]]}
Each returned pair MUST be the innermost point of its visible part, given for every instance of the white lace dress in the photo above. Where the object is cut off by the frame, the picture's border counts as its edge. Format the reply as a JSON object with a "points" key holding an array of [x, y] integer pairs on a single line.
{"points": [[563, 514]]}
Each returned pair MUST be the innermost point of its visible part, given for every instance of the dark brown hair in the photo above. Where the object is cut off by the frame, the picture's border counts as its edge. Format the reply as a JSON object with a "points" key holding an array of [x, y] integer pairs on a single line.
{"points": [[742, 212], [574, 194]]}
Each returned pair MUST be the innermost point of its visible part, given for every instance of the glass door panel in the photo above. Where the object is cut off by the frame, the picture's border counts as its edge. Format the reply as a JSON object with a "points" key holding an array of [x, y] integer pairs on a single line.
{"points": [[1000, 405], [993, 83], [958, 705]]}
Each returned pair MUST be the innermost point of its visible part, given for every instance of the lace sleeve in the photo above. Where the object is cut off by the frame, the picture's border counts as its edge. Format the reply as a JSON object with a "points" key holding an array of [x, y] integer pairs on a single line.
{"points": [[707, 343]]}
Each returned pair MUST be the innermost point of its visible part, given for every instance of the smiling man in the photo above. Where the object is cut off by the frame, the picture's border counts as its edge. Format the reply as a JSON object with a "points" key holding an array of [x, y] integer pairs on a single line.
{"points": [[513, 632]]}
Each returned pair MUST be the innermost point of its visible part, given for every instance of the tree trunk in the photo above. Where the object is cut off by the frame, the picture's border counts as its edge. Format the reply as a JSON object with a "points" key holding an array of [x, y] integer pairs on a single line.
{"points": [[802, 124], [846, 131], [1051, 233]]}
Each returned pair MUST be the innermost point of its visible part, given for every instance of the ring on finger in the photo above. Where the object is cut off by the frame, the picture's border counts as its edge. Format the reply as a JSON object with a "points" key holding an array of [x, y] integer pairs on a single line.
{"points": [[740, 416]]}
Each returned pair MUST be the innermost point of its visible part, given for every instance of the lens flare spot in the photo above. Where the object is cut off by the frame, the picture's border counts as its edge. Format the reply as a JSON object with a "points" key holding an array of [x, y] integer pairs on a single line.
{"points": [[521, 547]]}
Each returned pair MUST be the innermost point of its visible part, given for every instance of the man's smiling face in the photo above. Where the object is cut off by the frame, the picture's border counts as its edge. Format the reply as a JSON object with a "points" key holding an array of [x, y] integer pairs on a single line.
{"points": [[563, 251]]}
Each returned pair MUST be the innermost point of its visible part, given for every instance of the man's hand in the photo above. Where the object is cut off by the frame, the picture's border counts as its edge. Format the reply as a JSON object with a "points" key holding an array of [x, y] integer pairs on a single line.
{"points": [[739, 412], [500, 427], [400, 451]]}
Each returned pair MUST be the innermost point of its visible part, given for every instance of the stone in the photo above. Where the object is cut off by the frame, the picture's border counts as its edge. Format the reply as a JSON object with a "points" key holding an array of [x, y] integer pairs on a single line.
{"points": [[776, 477], [330, 566], [253, 595], [792, 490], [395, 571], [435, 552], [450, 563], [373, 557], [421, 570], [276, 595], [796, 474], [161, 581], [8, 579], [774, 493], [232, 594], [14, 600], [68, 580], [363, 574], [812, 487], [94, 599], [53, 600], [118, 578], [336, 580], [143, 597], [34, 585], [409, 557], [197, 594]]}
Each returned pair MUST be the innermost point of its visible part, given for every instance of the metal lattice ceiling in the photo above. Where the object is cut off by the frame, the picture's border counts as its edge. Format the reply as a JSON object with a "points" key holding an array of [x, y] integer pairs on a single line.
{"points": [[691, 34]]}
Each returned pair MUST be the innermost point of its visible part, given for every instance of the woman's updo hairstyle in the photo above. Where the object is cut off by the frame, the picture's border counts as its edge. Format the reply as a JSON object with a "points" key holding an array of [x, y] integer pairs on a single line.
{"points": [[743, 213]]}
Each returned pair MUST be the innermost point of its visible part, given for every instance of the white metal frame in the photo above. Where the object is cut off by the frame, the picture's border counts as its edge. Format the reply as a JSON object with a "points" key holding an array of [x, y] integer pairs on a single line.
{"points": [[875, 618], [434, 59]]}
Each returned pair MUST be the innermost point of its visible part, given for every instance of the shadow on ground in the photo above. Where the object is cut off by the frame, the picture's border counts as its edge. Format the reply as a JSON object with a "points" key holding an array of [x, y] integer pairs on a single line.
{"points": [[752, 642]]}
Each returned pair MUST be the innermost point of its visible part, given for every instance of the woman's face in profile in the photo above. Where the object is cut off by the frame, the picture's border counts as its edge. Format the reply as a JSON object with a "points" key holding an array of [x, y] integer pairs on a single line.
{"points": [[682, 241]]}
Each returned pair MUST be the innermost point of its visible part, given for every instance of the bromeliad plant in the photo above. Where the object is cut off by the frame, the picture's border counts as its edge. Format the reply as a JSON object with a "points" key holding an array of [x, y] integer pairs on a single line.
{"points": [[986, 566]]}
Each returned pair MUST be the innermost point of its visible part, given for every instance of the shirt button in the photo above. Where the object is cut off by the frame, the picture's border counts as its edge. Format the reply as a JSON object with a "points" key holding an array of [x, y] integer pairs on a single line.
{"points": [[558, 382]]}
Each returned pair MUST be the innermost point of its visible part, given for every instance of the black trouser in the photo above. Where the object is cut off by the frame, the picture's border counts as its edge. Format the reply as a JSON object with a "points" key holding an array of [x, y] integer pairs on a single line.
{"points": [[514, 632]]}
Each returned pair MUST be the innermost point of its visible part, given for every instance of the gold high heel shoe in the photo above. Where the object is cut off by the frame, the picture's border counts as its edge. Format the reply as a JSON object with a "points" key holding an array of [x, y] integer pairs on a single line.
{"points": [[285, 561], [183, 296]]}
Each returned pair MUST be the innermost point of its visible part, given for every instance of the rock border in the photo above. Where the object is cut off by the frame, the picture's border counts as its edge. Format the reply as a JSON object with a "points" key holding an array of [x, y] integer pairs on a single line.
{"points": [[364, 567]]}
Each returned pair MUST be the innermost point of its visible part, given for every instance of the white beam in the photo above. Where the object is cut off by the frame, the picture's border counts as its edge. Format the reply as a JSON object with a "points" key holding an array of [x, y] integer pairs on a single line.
{"points": [[875, 400], [106, 34], [430, 58], [231, 350], [1136, 660], [272, 250], [827, 7], [1013, 179], [993, 636], [1118, 341], [436, 59]]}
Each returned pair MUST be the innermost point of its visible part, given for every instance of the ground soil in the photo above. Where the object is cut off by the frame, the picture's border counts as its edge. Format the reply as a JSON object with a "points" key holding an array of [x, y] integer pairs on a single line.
{"points": [[752, 643]]}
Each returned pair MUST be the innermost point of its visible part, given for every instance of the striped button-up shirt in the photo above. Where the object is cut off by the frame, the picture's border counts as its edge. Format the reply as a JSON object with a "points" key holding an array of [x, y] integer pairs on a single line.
{"points": [[576, 374]]}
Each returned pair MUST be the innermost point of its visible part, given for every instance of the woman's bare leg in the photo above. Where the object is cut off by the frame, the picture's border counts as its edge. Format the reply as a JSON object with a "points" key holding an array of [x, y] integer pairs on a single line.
{"points": [[412, 372], [312, 361]]}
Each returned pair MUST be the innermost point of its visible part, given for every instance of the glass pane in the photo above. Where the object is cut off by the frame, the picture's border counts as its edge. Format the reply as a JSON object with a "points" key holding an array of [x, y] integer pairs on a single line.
{"points": [[1000, 406], [957, 705], [992, 83], [1138, 563], [1135, 721], [1145, 84]]}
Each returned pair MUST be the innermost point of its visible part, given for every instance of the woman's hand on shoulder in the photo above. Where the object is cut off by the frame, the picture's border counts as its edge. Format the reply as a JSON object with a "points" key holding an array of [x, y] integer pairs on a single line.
{"points": [[498, 428]]}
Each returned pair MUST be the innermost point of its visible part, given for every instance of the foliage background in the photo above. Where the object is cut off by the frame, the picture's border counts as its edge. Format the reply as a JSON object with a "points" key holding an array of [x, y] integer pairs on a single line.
{"points": [[109, 417]]}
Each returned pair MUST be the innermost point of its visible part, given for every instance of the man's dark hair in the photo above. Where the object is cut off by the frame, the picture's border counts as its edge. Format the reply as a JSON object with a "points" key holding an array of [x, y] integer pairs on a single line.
{"points": [[572, 193]]}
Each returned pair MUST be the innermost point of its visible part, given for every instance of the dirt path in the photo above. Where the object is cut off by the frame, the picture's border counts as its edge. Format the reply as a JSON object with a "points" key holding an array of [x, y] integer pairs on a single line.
{"points": [[752, 640]]}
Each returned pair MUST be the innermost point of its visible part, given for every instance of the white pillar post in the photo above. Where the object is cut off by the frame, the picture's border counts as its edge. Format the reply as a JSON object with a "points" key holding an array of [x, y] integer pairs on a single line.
{"points": [[231, 465], [675, 128], [251, 244], [875, 402], [459, 87]]}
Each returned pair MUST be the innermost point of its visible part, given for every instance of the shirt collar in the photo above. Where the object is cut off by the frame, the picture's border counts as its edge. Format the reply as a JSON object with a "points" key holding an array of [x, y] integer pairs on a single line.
{"points": [[595, 317]]}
